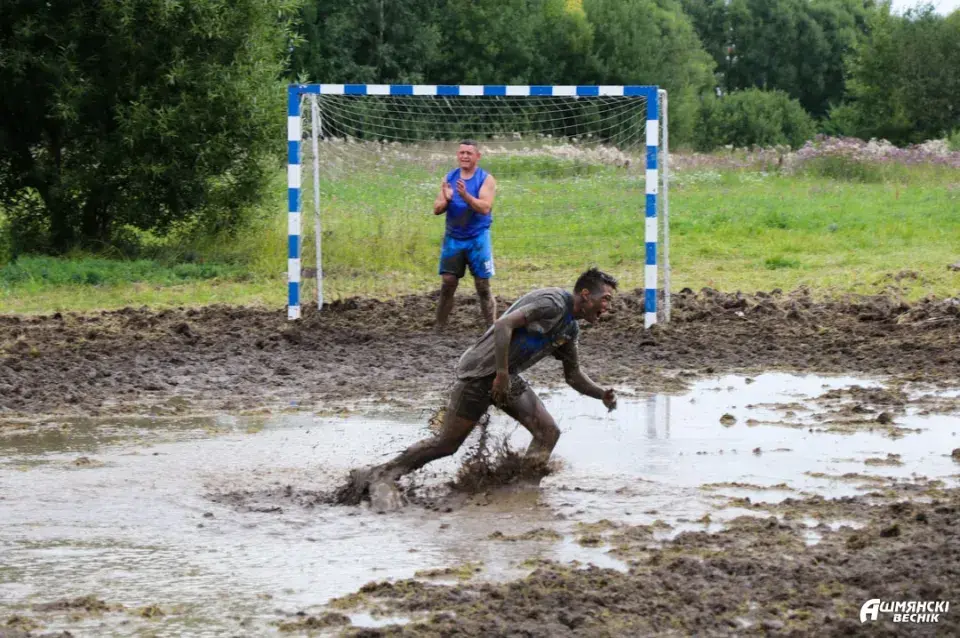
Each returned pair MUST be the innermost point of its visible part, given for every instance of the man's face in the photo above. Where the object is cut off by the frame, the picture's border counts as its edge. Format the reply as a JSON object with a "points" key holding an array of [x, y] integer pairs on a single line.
{"points": [[596, 305], [467, 156]]}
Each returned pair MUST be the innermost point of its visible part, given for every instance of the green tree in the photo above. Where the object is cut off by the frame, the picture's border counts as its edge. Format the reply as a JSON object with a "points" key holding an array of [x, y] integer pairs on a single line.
{"points": [[442, 41], [367, 41], [844, 24], [753, 118], [905, 79], [797, 46], [711, 21], [652, 42], [512, 42], [136, 112]]}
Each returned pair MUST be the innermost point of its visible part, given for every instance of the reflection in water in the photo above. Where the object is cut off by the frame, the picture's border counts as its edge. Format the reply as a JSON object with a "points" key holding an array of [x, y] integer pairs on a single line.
{"points": [[134, 524], [658, 420]]}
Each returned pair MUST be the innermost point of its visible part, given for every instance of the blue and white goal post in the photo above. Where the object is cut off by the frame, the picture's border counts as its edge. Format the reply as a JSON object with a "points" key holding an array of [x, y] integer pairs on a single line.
{"points": [[308, 122]]}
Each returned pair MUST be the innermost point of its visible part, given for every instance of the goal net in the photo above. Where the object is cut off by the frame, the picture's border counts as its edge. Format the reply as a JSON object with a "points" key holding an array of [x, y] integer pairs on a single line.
{"points": [[578, 184]]}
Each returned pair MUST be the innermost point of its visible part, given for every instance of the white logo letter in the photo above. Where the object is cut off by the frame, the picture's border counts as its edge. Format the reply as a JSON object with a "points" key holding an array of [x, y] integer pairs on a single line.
{"points": [[870, 608]]}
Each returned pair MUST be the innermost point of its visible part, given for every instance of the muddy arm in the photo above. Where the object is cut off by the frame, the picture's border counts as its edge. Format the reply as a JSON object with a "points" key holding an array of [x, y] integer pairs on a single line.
{"points": [[502, 332], [574, 376]]}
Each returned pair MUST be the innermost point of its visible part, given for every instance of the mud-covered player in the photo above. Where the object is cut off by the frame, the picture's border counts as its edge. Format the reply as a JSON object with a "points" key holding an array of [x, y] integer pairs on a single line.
{"points": [[540, 324]]}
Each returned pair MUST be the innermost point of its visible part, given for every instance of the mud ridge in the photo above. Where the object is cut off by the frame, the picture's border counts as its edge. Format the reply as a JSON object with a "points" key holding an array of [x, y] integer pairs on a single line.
{"points": [[757, 577], [238, 358]]}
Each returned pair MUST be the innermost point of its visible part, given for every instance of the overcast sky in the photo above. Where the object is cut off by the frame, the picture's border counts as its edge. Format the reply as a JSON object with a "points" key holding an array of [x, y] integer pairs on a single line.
{"points": [[943, 6]]}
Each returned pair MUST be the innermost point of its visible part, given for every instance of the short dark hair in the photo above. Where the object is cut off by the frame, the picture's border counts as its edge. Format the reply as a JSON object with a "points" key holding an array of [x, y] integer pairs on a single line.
{"points": [[469, 142], [594, 280]]}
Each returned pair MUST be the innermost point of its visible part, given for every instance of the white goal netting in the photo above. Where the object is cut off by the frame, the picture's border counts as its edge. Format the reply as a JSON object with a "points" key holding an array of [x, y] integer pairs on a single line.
{"points": [[571, 177]]}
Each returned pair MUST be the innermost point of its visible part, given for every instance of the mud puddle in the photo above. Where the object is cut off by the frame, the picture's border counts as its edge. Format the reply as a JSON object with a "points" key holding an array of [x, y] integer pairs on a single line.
{"points": [[214, 527]]}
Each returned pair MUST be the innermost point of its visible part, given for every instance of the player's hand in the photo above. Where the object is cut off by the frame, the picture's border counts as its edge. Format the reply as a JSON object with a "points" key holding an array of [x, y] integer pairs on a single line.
{"points": [[447, 191], [609, 399], [501, 388], [462, 187]]}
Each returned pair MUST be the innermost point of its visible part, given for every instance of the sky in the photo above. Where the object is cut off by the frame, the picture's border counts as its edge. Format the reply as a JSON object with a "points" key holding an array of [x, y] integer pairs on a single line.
{"points": [[943, 6]]}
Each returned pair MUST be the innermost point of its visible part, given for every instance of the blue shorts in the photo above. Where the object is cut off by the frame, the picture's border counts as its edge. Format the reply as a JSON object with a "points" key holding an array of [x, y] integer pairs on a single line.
{"points": [[476, 252]]}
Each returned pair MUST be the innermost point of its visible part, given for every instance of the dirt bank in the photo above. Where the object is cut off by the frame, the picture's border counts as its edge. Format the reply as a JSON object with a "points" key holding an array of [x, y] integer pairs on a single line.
{"points": [[234, 358], [757, 577]]}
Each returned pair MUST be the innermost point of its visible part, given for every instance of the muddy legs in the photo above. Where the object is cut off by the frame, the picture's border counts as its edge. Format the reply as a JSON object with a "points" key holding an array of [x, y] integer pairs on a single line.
{"points": [[445, 305], [488, 304], [453, 433], [529, 410], [377, 482]]}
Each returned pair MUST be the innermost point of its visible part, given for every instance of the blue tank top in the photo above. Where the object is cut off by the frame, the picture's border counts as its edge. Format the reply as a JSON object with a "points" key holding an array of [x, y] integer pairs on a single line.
{"points": [[462, 221]]}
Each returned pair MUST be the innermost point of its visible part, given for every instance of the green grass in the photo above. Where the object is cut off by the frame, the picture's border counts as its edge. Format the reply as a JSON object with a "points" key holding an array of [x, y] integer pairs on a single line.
{"points": [[832, 236], [847, 169], [543, 167], [729, 230], [45, 272], [775, 263]]}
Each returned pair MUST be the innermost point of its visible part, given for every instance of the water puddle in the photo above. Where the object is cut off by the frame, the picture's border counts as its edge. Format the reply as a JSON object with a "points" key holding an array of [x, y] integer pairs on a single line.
{"points": [[366, 620], [122, 510]]}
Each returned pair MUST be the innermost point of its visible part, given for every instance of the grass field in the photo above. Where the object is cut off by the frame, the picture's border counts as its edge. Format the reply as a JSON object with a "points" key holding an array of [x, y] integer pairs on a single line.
{"points": [[731, 229]]}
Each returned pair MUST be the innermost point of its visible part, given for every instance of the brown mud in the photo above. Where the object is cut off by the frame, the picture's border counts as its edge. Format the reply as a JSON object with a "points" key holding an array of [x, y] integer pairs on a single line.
{"points": [[759, 576], [235, 358], [76, 609]]}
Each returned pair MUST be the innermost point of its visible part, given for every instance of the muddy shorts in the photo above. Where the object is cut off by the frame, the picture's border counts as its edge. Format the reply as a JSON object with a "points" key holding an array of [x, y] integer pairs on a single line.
{"points": [[470, 398], [476, 252]]}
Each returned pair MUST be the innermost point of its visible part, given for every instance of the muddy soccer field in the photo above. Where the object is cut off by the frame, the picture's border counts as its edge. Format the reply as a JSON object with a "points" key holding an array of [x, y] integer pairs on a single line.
{"points": [[775, 462]]}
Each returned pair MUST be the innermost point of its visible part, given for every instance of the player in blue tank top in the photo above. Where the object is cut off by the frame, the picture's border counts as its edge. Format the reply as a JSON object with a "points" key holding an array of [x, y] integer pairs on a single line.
{"points": [[466, 196]]}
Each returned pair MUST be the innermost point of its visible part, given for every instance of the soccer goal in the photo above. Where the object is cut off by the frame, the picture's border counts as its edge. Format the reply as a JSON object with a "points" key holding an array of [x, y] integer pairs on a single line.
{"points": [[581, 177]]}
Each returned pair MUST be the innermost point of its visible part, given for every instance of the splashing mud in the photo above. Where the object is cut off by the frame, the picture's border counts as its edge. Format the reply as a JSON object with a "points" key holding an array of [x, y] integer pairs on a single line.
{"points": [[494, 465], [487, 465]]}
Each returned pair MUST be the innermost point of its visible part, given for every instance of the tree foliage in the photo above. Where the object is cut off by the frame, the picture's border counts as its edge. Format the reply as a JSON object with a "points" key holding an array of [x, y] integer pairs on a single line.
{"points": [[367, 41], [753, 118], [905, 78], [652, 42], [135, 112], [796, 46], [151, 114], [511, 42]]}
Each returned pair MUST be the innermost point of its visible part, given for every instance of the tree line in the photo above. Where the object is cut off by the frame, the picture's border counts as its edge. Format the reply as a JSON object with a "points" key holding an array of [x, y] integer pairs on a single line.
{"points": [[148, 114]]}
